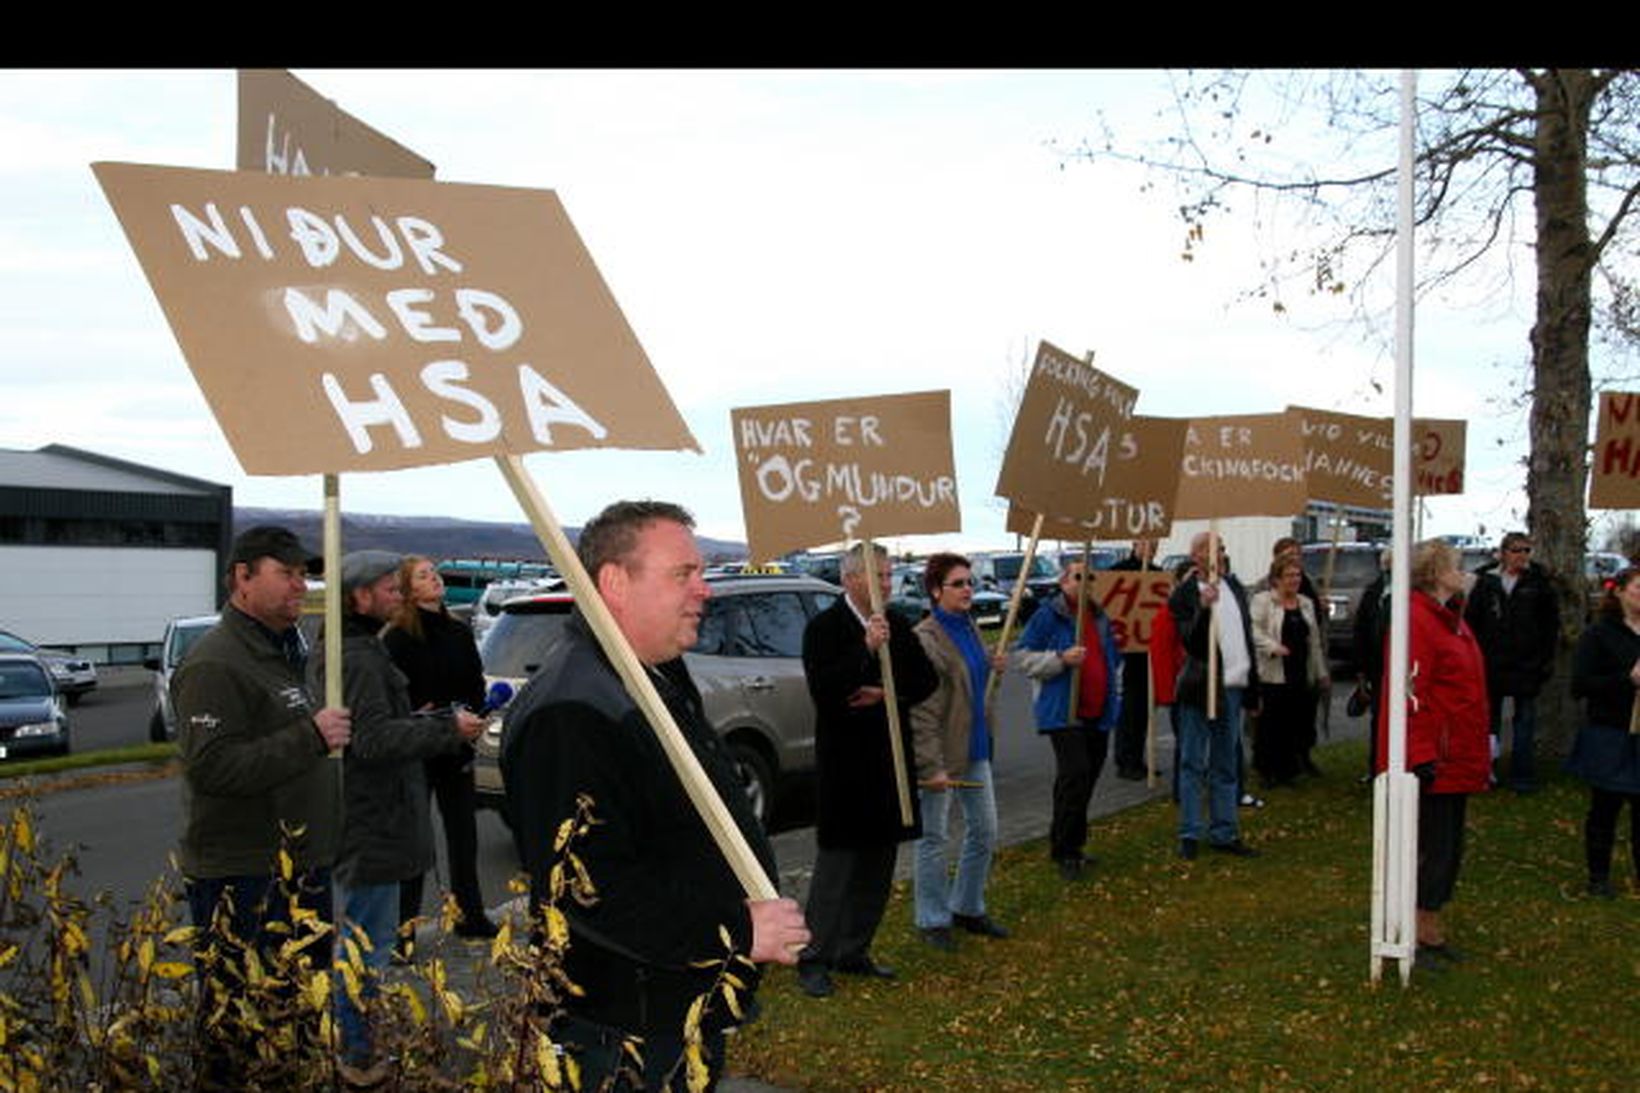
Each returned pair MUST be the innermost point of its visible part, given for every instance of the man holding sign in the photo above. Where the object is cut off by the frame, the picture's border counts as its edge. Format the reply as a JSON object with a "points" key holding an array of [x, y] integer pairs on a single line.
{"points": [[1210, 747], [666, 896], [858, 826]]}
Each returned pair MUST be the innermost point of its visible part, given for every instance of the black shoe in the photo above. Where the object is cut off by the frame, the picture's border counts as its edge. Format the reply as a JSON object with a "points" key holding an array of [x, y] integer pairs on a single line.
{"points": [[940, 937], [1425, 960], [1187, 849], [1446, 952], [476, 928], [1069, 868], [982, 925], [1235, 848], [1602, 888], [864, 965], [1309, 767], [814, 980]]}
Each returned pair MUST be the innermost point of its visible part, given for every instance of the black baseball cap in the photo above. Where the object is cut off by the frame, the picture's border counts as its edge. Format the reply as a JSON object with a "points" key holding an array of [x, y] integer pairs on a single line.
{"points": [[268, 541]]}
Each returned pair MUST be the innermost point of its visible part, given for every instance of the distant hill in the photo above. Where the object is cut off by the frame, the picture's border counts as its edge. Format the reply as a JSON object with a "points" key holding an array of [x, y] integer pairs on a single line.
{"points": [[436, 536]]}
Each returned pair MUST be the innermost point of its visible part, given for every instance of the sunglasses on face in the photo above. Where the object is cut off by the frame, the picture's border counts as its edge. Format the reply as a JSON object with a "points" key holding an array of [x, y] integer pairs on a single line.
{"points": [[960, 582]]}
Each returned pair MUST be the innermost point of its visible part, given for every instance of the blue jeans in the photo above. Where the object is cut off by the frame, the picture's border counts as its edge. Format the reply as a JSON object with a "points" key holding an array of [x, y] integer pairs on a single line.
{"points": [[937, 898], [1208, 751], [373, 909], [1522, 738]]}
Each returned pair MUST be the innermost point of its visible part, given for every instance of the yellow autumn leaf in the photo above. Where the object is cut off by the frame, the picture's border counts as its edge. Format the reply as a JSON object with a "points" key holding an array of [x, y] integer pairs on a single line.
{"points": [[557, 927], [171, 969], [319, 991], [181, 935], [565, 831], [695, 1062]]}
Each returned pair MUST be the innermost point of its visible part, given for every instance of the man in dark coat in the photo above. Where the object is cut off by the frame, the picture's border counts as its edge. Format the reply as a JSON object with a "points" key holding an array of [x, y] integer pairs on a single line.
{"points": [[858, 826], [1516, 617], [1134, 727]]}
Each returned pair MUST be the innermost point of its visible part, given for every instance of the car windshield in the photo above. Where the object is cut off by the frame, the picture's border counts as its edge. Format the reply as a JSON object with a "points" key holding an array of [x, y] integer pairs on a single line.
{"points": [[1007, 567], [1351, 569], [23, 681], [183, 639], [513, 647], [11, 643]]}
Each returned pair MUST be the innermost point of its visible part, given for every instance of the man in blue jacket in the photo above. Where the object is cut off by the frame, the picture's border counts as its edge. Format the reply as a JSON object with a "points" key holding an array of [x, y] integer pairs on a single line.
{"points": [[1051, 656]]}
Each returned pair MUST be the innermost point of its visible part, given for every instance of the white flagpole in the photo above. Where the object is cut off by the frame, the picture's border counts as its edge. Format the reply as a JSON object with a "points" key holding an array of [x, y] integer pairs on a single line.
{"points": [[1395, 831]]}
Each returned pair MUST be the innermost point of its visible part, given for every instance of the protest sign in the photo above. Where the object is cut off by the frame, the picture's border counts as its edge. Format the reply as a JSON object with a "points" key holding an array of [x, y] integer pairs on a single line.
{"points": [[818, 472], [346, 323], [1437, 456], [1347, 458], [287, 128], [1064, 447], [1241, 465], [1137, 500], [1614, 472], [1131, 598]]}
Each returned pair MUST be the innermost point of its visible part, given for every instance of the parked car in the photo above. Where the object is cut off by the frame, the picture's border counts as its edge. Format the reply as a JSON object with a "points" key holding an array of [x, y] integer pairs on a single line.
{"points": [[999, 571], [747, 662], [180, 636], [498, 592], [74, 676], [1355, 567], [32, 721], [910, 598]]}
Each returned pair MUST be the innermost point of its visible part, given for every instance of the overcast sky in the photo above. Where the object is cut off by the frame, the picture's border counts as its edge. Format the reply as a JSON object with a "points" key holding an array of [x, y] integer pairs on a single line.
{"points": [[771, 237]]}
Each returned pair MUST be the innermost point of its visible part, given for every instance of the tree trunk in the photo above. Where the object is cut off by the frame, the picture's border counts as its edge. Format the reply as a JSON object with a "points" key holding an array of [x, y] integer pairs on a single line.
{"points": [[1557, 471]]}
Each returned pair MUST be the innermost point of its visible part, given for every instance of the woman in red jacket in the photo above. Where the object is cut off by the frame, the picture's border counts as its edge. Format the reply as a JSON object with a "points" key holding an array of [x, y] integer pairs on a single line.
{"points": [[1447, 743]]}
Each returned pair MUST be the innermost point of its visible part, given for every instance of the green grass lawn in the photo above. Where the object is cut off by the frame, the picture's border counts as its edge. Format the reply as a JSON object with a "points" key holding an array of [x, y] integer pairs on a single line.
{"points": [[1221, 973]]}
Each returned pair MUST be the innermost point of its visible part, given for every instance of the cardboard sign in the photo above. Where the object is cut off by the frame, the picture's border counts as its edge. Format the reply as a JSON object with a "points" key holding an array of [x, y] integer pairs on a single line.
{"points": [[1137, 500], [287, 128], [818, 472], [1062, 455], [1131, 598], [1437, 456], [1348, 459], [1614, 472], [1242, 465], [361, 324]]}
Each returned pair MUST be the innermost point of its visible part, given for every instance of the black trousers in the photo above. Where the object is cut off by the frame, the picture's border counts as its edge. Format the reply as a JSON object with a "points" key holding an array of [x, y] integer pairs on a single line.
{"points": [[1079, 756], [1440, 846], [450, 780], [847, 896], [1131, 729], [1600, 831]]}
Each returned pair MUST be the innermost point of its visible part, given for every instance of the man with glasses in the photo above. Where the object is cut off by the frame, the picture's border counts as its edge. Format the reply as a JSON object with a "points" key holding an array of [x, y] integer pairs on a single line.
{"points": [[1515, 614]]}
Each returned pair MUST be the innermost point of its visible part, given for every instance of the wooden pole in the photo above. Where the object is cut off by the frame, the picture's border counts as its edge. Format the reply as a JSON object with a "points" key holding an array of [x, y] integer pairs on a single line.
{"points": [[1150, 722], [333, 595], [712, 811], [890, 696], [1213, 621], [1013, 605], [1081, 609]]}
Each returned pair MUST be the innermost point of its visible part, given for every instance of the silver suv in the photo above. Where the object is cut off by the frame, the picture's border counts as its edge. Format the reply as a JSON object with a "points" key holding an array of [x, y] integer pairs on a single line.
{"points": [[747, 662], [180, 635]]}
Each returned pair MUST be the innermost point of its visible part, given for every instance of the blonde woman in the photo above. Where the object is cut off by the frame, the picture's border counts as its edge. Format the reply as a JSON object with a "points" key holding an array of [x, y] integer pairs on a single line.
{"points": [[1291, 665]]}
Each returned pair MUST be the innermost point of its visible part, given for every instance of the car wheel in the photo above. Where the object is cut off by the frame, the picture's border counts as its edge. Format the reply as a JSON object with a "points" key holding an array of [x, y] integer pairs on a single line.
{"points": [[156, 728], [74, 698], [756, 778]]}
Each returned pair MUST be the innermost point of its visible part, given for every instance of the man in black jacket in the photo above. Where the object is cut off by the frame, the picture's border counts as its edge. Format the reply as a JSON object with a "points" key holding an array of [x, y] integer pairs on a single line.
{"points": [[1133, 728], [1515, 614], [387, 830], [1210, 748], [667, 899], [858, 824]]}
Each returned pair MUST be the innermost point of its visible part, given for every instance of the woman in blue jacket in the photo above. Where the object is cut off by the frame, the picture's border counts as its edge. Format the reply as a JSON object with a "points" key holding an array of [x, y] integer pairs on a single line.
{"points": [[1050, 656]]}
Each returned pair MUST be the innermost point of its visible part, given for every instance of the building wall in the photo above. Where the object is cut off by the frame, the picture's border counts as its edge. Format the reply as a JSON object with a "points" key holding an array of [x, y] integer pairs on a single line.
{"points": [[102, 596]]}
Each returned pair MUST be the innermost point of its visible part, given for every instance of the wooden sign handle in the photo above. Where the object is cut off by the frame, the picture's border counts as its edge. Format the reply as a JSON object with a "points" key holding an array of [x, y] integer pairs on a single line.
{"points": [[1213, 621], [890, 694], [333, 595], [1081, 610], [1013, 605], [1634, 718], [712, 810]]}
